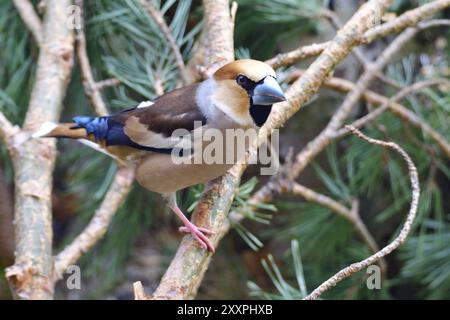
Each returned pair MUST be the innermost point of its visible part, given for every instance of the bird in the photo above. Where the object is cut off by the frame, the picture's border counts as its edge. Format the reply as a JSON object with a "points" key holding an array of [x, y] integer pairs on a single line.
{"points": [[239, 95]]}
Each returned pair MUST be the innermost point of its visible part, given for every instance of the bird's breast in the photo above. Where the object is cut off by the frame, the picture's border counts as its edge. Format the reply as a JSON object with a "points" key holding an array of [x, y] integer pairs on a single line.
{"points": [[215, 151]]}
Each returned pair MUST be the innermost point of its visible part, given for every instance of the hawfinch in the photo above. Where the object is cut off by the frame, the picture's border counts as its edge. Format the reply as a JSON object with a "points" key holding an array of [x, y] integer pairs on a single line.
{"points": [[239, 95]]}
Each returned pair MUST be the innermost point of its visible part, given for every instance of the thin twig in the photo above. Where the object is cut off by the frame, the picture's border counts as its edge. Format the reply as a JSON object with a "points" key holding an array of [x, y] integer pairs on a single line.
{"points": [[98, 225], [168, 36], [357, 52], [407, 19], [219, 35], [343, 85], [358, 266], [91, 89], [409, 116], [351, 215], [112, 82], [30, 18]]}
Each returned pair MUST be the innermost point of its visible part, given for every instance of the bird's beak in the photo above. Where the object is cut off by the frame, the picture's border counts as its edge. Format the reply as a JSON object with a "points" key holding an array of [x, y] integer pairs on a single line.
{"points": [[268, 92]]}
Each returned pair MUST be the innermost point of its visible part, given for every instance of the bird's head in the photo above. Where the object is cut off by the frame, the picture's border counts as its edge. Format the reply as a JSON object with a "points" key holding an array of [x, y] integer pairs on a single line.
{"points": [[246, 90]]}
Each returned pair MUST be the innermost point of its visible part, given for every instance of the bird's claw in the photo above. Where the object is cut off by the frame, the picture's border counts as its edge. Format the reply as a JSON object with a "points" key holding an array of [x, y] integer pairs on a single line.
{"points": [[199, 233]]}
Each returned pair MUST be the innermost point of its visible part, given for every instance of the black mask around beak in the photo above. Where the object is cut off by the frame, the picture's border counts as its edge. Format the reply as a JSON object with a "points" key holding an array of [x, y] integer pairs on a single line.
{"points": [[268, 92]]}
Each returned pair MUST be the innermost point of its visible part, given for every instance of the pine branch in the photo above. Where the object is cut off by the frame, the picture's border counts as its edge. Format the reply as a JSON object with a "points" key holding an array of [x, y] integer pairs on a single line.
{"points": [[123, 179], [33, 160], [401, 111], [30, 18], [167, 34], [358, 266], [391, 104], [186, 271], [91, 88], [350, 214], [98, 225], [408, 19]]}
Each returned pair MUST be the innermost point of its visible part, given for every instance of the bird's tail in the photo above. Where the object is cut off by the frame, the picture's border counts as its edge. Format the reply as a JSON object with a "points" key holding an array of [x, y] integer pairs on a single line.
{"points": [[91, 131], [82, 127], [61, 130]]}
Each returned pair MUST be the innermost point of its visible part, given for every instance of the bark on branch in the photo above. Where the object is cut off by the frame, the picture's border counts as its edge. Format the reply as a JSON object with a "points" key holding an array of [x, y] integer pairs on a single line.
{"points": [[167, 34], [91, 89], [30, 18], [408, 19], [98, 225], [358, 266], [31, 274]]}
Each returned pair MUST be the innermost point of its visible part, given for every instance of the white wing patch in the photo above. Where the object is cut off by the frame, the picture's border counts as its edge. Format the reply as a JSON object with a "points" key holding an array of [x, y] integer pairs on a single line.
{"points": [[144, 104], [45, 129]]}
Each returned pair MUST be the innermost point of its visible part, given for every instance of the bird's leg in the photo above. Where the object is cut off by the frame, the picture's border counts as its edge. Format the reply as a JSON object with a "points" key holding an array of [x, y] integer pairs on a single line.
{"points": [[198, 233]]}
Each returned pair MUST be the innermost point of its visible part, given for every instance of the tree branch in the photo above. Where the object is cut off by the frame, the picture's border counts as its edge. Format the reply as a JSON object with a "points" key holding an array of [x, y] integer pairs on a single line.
{"points": [[219, 34], [33, 160], [351, 215], [186, 271], [344, 85], [167, 34], [120, 186], [91, 89], [30, 18], [400, 110], [98, 225], [408, 19], [358, 266]]}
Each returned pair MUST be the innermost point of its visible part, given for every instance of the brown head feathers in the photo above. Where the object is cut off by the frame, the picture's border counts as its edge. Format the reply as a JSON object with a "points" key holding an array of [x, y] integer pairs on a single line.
{"points": [[253, 69]]}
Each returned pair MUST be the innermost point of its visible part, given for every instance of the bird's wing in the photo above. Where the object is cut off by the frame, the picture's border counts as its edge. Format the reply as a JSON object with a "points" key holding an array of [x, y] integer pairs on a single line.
{"points": [[154, 125]]}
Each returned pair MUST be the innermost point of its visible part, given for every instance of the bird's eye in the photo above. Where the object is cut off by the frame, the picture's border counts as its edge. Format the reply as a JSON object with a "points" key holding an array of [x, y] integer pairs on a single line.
{"points": [[241, 80]]}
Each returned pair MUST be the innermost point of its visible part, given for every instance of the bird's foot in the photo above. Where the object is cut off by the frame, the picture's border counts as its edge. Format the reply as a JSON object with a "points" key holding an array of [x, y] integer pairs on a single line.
{"points": [[200, 234]]}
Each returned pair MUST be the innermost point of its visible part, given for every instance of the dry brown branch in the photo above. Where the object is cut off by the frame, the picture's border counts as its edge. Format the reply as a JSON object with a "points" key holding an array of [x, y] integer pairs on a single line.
{"points": [[138, 290], [219, 34], [326, 136], [98, 225], [233, 12], [343, 85], [91, 89], [120, 186], [291, 57], [167, 34], [107, 83], [318, 144], [33, 160], [408, 19], [186, 271], [434, 23], [350, 214], [30, 18], [401, 111], [358, 266]]}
